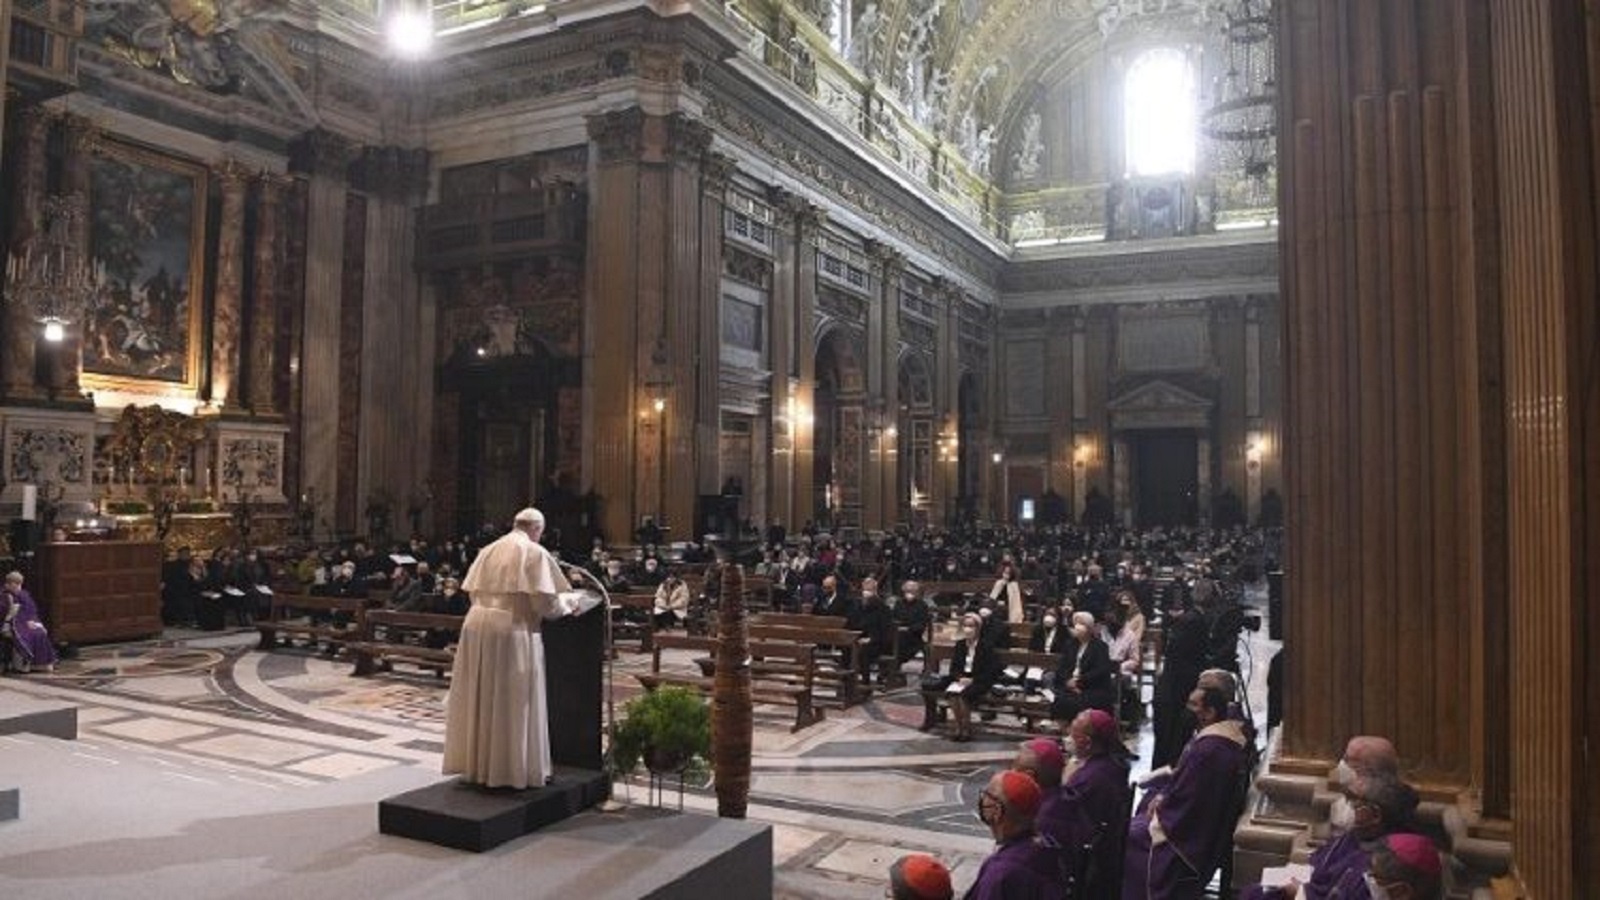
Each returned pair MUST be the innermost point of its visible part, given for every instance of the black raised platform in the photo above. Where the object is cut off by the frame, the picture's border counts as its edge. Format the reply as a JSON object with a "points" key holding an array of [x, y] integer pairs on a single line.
{"points": [[466, 817]]}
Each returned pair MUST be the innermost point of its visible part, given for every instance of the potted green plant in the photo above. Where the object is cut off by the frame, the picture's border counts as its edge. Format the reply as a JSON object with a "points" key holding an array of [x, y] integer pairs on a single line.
{"points": [[666, 728]]}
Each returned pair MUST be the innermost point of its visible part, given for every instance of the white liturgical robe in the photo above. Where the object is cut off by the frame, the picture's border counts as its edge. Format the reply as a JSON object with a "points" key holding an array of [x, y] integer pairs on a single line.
{"points": [[496, 731]]}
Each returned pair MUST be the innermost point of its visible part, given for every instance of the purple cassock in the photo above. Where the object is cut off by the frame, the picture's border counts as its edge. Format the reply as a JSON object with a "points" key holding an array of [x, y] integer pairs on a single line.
{"points": [[20, 618], [1095, 792], [1336, 872], [1023, 869], [1175, 846]]}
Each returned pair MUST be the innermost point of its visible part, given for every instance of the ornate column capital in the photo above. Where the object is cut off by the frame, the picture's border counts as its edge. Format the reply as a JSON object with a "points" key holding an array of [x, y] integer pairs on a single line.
{"points": [[233, 174], [688, 139], [891, 262], [322, 152], [618, 134], [716, 172], [391, 172], [84, 136]]}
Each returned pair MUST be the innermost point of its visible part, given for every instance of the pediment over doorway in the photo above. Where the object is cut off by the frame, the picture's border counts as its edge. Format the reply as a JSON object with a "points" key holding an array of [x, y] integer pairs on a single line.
{"points": [[1160, 404]]}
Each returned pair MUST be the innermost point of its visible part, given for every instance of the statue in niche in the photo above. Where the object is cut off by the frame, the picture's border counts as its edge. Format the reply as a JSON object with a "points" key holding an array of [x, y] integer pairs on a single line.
{"points": [[1028, 158], [984, 152]]}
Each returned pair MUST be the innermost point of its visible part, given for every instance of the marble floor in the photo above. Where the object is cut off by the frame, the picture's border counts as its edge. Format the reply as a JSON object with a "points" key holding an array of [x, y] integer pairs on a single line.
{"points": [[845, 796]]}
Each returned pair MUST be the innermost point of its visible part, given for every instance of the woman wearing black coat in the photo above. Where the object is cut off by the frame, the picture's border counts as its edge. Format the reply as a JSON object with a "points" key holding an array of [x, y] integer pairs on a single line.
{"points": [[1083, 679]]}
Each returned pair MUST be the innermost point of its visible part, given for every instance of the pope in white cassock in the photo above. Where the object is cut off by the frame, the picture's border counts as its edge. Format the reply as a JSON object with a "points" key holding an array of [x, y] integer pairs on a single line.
{"points": [[496, 732]]}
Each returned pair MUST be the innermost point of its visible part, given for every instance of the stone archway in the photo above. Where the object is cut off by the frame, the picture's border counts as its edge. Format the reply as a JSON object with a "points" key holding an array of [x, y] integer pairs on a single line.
{"points": [[1152, 422]]}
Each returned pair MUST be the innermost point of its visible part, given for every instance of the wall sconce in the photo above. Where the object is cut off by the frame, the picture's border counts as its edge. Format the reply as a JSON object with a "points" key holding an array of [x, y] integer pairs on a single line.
{"points": [[1256, 446], [891, 432], [660, 405], [998, 457]]}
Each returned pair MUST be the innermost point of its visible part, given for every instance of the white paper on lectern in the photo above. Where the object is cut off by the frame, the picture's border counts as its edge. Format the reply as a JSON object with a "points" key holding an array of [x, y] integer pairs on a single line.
{"points": [[576, 602], [1280, 876]]}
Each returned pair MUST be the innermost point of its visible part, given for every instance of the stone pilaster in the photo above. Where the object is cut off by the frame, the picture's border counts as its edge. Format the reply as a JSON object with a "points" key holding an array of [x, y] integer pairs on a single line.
{"points": [[21, 331], [716, 170], [263, 328], [809, 222], [692, 320], [781, 353], [394, 180], [323, 159], [227, 313], [883, 388], [946, 399]]}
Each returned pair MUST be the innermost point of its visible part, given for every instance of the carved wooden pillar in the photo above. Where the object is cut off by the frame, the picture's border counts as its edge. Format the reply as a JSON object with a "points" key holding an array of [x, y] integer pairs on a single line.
{"points": [[324, 158], [1385, 487], [227, 320], [264, 298], [21, 331]]}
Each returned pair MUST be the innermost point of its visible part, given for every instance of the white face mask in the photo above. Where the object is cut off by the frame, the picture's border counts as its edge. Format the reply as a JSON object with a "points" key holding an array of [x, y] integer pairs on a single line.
{"points": [[1345, 775], [1342, 816], [985, 612], [1049, 621], [910, 596], [1378, 891]]}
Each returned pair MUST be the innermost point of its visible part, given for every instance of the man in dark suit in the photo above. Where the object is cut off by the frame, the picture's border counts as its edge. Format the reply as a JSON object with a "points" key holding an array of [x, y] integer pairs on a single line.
{"points": [[911, 615], [835, 601]]}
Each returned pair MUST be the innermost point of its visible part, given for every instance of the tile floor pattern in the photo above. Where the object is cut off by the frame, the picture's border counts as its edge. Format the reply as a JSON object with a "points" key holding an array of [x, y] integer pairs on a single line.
{"points": [[845, 796]]}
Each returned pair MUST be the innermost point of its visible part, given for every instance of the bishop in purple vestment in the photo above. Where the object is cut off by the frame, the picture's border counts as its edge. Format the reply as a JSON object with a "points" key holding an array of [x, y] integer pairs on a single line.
{"points": [[1022, 867], [1382, 805], [1177, 843], [19, 623], [1094, 798]]}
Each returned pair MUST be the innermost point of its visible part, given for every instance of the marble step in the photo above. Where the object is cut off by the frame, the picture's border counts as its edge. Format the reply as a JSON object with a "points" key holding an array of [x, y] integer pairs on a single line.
{"points": [[21, 713]]}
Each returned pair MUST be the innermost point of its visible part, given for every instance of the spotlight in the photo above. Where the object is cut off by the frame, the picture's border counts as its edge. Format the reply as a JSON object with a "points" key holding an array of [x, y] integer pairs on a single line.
{"points": [[410, 33]]}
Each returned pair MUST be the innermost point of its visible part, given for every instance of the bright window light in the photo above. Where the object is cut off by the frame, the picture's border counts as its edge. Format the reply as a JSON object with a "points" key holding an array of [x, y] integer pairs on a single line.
{"points": [[1159, 107], [410, 33]]}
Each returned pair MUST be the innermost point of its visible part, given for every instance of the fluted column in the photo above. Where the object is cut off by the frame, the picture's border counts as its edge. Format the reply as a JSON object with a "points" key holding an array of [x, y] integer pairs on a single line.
{"points": [[809, 221], [692, 316], [883, 387], [227, 318], [82, 137], [21, 332], [263, 328], [323, 158], [1386, 540], [716, 170], [781, 350], [946, 400]]}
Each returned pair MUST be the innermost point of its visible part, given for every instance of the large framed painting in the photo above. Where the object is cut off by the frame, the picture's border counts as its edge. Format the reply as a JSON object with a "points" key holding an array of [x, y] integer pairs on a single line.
{"points": [[147, 243]]}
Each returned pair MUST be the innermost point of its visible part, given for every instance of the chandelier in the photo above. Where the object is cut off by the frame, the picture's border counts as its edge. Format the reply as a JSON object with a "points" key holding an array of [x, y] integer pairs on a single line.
{"points": [[1242, 120], [49, 276]]}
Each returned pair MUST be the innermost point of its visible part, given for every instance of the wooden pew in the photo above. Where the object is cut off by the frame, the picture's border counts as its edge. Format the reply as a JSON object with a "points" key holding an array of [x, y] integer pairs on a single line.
{"points": [[312, 618], [388, 636], [1029, 707], [846, 675], [626, 612], [781, 673]]}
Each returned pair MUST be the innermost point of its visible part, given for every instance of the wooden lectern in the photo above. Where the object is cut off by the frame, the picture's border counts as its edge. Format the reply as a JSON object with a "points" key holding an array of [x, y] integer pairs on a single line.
{"points": [[99, 590], [574, 666]]}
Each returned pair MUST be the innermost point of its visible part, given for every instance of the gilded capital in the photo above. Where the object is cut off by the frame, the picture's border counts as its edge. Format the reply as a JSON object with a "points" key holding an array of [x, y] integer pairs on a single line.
{"points": [[233, 174]]}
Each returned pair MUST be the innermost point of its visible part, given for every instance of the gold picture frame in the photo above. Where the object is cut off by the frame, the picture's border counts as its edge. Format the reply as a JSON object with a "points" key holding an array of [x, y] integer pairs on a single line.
{"points": [[143, 329]]}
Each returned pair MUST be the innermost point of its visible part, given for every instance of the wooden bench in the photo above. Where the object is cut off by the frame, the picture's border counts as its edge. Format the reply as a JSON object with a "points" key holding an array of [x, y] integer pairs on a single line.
{"points": [[312, 618], [388, 636], [633, 618], [847, 676], [1029, 707], [781, 673]]}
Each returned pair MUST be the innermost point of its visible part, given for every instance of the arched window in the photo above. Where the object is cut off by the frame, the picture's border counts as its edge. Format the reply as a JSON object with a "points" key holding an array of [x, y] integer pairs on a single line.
{"points": [[1159, 113]]}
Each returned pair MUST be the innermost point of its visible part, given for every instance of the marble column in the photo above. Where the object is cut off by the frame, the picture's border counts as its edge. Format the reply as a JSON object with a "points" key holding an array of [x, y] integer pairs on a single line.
{"points": [[614, 408], [780, 349], [81, 139], [21, 329], [947, 400], [394, 180], [323, 159], [693, 322], [883, 384], [809, 222], [227, 319], [263, 328], [716, 170]]}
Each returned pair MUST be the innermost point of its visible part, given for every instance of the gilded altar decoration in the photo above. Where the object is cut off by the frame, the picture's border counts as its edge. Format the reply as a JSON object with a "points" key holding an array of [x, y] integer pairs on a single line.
{"points": [[155, 445], [146, 239], [250, 464]]}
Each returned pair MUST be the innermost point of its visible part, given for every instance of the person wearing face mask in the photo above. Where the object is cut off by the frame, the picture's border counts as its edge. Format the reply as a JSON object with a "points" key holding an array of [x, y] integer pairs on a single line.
{"points": [[1022, 867], [1379, 805], [1007, 593], [876, 623], [1083, 678], [1095, 791], [911, 616], [1366, 754], [1049, 636], [974, 669], [1404, 867], [650, 574], [1177, 841]]}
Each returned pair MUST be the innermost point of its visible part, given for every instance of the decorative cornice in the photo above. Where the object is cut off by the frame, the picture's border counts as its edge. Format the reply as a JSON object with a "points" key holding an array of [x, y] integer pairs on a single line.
{"points": [[618, 134], [716, 172]]}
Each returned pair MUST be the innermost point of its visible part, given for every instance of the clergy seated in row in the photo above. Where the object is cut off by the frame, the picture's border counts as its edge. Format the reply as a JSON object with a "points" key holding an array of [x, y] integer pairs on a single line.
{"points": [[25, 645], [918, 876], [672, 603], [1085, 799], [1370, 810], [1405, 867], [1023, 866], [1179, 838]]}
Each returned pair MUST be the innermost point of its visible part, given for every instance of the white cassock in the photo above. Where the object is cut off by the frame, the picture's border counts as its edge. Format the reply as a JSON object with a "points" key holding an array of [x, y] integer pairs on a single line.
{"points": [[496, 731], [1013, 598]]}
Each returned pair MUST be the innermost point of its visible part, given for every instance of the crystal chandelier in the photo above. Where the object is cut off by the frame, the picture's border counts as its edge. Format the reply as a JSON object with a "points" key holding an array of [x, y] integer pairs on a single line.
{"points": [[1242, 120], [49, 276]]}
